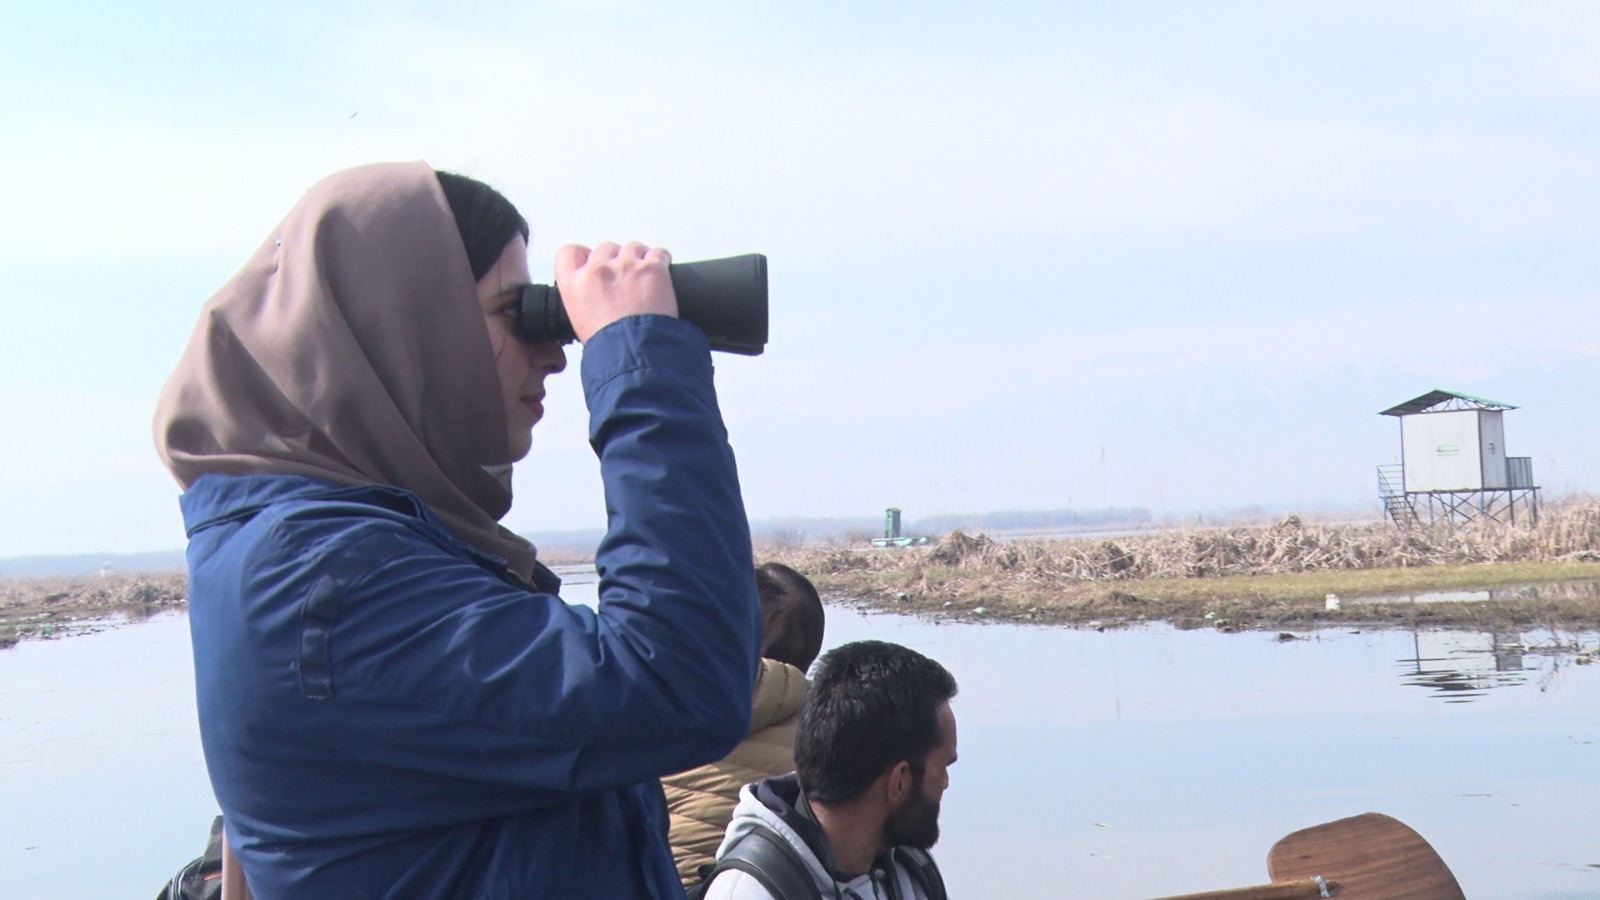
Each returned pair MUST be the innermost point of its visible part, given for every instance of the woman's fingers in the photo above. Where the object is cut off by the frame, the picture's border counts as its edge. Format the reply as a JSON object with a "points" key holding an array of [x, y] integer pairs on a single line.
{"points": [[571, 257], [613, 281]]}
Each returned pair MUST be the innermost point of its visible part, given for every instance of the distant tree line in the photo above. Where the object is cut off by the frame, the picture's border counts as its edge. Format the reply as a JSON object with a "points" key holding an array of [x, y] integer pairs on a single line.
{"points": [[565, 546], [800, 532], [1039, 519]]}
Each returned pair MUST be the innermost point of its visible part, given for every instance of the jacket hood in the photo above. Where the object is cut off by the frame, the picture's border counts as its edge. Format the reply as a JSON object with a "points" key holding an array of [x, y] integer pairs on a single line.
{"points": [[778, 804], [773, 802]]}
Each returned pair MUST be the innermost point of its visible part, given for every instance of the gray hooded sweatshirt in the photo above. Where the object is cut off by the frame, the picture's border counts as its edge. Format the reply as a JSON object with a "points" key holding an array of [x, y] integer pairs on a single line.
{"points": [[773, 803]]}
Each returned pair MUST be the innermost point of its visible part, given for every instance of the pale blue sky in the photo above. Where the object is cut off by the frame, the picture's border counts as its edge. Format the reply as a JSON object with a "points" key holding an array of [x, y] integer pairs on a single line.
{"points": [[1023, 256]]}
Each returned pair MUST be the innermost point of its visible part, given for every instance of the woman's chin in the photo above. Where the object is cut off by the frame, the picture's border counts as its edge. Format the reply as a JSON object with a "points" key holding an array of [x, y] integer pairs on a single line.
{"points": [[520, 444]]}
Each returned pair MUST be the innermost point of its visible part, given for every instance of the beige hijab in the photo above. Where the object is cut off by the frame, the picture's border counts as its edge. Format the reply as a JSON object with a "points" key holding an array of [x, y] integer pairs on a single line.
{"points": [[352, 347]]}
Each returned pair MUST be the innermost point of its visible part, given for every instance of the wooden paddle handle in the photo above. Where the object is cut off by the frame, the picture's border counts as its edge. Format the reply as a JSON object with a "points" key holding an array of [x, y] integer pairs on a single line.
{"points": [[1282, 890]]}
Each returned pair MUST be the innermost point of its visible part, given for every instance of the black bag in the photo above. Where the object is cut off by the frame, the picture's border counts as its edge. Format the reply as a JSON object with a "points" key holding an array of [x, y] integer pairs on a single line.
{"points": [[202, 878], [770, 859], [923, 870]]}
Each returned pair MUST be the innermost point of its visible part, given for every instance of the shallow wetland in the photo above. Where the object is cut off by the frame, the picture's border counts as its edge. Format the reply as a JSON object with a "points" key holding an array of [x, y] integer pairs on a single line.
{"points": [[1131, 763], [1132, 725]]}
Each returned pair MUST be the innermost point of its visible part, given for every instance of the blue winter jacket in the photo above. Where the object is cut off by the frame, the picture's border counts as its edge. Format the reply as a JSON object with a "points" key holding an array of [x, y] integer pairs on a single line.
{"points": [[385, 714]]}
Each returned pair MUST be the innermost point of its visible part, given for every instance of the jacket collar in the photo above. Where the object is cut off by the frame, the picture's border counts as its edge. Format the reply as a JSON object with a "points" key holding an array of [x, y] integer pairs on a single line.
{"points": [[780, 691], [220, 499]]}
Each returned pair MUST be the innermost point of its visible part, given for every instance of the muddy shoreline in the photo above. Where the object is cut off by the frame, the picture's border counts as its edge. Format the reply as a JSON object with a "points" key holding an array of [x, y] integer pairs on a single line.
{"points": [[1101, 608], [1566, 601]]}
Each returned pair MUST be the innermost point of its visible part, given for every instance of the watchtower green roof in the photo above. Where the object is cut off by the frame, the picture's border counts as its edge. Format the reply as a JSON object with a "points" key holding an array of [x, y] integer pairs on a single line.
{"points": [[1443, 401]]}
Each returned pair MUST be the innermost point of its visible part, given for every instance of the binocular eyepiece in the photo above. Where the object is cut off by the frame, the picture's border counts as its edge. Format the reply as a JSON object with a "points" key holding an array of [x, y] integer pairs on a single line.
{"points": [[725, 298]]}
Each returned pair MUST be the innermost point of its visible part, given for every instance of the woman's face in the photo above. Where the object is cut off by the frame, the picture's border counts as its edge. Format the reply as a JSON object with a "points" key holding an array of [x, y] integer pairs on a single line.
{"points": [[520, 365]]}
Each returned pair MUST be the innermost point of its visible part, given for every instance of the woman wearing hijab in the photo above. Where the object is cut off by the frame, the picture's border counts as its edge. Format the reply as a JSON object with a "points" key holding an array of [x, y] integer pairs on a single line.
{"points": [[393, 700]]}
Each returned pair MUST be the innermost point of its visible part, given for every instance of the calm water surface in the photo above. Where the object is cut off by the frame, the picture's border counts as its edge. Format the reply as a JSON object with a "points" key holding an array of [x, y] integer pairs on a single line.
{"points": [[1123, 764]]}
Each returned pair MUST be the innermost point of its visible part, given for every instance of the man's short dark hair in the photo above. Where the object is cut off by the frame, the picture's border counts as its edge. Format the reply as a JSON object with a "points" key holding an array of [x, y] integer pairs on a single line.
{"points": [[791, 616], [871, 704]]}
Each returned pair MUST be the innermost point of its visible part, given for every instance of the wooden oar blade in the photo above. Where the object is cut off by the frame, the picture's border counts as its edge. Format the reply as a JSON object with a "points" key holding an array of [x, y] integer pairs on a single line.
{"points": [[1372, 856]]}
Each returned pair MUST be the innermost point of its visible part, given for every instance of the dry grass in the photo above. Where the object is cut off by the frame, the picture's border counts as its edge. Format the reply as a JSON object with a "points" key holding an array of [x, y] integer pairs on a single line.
{"points": [[1263, 575], [40, 606]]}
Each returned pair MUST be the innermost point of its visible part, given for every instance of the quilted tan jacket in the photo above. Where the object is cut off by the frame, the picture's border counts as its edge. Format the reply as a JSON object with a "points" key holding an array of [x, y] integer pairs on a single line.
{"points": [[700, 801]]}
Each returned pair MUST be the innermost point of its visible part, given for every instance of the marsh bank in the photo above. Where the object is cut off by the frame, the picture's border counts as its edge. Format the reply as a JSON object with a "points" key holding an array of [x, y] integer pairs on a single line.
{"points": [[1274, 576], [1263, 577]]}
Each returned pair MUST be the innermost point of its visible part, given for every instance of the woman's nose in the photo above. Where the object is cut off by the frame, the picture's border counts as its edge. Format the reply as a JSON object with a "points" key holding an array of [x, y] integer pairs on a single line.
{"points": [[549, 358]]}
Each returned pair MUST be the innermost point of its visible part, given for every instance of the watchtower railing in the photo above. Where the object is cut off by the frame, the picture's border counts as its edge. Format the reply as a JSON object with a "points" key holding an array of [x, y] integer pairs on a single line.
{"points": [[1397, 505], [1519, 472]]}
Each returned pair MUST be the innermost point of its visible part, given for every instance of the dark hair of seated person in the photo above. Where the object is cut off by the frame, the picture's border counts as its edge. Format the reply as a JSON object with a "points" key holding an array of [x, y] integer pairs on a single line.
{"points": [[791, 616], [870, 706]]}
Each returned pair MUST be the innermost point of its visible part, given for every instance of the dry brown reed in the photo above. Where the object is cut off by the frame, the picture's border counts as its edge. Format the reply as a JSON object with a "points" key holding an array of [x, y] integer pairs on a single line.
{"points": [[30, 606], [1084, 579], [1564, 533], [111, 592]]}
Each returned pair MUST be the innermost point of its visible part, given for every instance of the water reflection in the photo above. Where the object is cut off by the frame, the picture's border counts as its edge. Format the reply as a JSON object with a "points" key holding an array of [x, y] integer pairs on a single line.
{"points": [[1128, 764], [1462, 667]]}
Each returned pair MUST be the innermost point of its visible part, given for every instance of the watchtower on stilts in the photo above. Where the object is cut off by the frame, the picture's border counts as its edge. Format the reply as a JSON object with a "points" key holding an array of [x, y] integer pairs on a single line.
{"points": [[1453, 464]]}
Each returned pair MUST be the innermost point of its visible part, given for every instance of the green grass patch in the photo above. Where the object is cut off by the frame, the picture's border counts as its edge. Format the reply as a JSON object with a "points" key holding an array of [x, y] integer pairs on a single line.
{"points": [[1357, 583]]}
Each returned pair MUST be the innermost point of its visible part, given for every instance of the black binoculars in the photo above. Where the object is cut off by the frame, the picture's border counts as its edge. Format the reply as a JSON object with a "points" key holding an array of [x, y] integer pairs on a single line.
{"points": [[725, 298]]}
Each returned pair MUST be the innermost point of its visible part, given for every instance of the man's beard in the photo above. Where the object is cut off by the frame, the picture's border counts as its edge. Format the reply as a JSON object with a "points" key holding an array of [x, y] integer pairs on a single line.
{"points": [[915, 823]]}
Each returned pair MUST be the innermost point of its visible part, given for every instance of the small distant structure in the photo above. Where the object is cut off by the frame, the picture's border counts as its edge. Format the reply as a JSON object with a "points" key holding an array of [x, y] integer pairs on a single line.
{"points": [[1453, 464], [891, 532]]}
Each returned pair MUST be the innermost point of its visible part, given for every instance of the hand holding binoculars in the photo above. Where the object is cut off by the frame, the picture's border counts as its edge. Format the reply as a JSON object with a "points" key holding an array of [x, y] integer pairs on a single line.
{"points": [[725, 298]]}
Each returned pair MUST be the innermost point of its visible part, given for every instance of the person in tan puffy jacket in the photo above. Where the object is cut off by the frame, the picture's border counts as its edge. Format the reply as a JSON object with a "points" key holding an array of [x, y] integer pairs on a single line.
{"points": [[700, 801]]}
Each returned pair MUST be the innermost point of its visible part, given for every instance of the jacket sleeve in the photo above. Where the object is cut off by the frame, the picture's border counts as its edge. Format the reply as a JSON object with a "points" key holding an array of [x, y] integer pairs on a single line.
{"points": [[439, 667], [678, 611]]}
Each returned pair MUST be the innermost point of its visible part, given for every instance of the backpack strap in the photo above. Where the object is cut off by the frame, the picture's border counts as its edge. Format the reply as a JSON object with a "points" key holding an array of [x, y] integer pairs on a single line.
{"points": [[767, 857], [202, 878], [924, 871]]}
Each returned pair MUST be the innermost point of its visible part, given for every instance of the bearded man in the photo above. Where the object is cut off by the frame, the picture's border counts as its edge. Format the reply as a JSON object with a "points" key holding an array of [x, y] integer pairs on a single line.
{"points": [[873, 746]]}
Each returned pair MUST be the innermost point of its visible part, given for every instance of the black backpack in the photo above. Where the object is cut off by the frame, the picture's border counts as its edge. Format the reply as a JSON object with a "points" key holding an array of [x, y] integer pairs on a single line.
{"points": [[201, 879], [768, 858]]}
